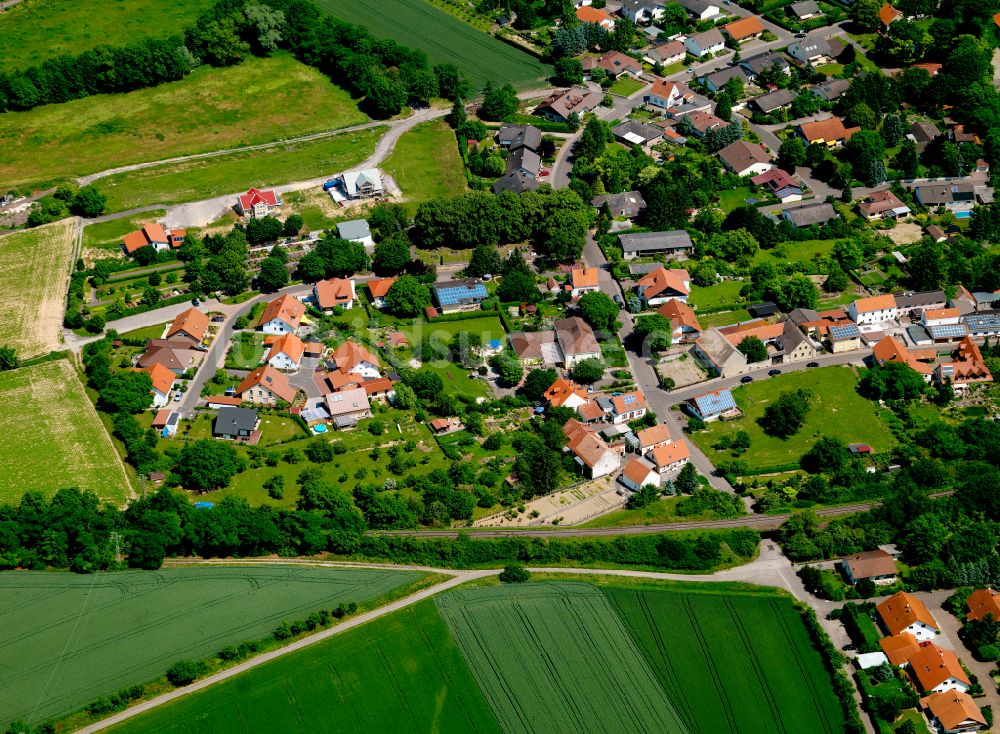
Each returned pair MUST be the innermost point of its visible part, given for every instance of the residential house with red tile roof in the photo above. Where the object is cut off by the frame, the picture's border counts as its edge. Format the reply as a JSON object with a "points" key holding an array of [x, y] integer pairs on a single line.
{"points": [[565, 393], [284, 351], [904, 612], [982, 602], [638, 473], [188, 326], [594, 457], [952, 712], [682, 317], [627, 407], [873, 310], [899, 648], [671, 457], [163, 383], [937, 670], [662, 285], [652, 437], [744, 29], [352, 358], [150, 234], [257, 203], [282, 315], [378, 289], [966, 368], [583, 280], [334, 292], [889, 349], [266, 386], [830, 132], [587, 14]]}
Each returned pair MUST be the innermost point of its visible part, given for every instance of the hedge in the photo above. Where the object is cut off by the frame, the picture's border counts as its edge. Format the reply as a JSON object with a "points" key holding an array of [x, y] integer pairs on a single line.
{"points": [[859, 626]]}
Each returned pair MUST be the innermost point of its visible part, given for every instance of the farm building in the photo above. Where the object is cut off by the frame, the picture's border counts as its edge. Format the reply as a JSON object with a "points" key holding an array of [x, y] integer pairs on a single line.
{"points": [[877, 566]]}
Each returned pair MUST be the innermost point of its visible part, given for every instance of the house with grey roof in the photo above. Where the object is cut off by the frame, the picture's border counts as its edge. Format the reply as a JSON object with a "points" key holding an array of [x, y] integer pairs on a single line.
{"points": [[634, 132], [831, 89], [953, 196], [805, 10], [703, 44], [234, 423], [811, 50], [810, 214], [716, 353], [717, 79], [779, 99], [626, 204], [758, 64], [675, 245], [701, 9], [513, 137], [356, 230]]}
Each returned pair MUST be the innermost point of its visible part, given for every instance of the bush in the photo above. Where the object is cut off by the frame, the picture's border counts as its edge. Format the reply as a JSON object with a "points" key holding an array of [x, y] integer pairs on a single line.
{"points": [[376, 428], [185, 672], [514, 573], [988, 653]]}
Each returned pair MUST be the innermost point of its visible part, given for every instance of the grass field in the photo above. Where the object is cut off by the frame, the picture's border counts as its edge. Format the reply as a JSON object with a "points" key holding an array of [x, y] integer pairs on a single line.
{"points": [[53, 437], [626, 86], [36, 30], [837, 410], [400, 673], [804, 251], [109, 234], [69, 639], [724, 318], [209, 177], [720, 294], [426, 164], [258, 101], [555, 657], [34, 275], [730, 662], [445, 39], [661, 511]]}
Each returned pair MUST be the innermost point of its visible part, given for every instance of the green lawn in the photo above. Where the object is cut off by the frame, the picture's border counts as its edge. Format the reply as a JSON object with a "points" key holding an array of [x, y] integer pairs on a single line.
{"points": [[487, 327], [258, 101], [626, 86], [661, 511], [400, 673], [724, 318], [148, 332], [34, 276], [70, 639], [206, 178], [426, 163], [837, 410], [729, 200], [245, 354], [445, 39], [720, 294], [36, 30], [805, 251], [53, 437], [919, 721], [109, 234]]}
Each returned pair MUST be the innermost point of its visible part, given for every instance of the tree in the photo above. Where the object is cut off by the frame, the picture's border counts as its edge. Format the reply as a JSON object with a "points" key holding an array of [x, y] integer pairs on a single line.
{"points": [[786, 415], [645, 496], [588, 371], [865, 14], [499, 103], [9, 359], [342, 258], [836, 281], [753, 348], [292, 225], [518, 287], [485, 260], [128, 392], [862, 116], [88, 202], [514, 573], [792, 153], [652, 333], [828, 455], [207, 464], [311, 268], [537, 467], [263, 229], [426, 385], [598, 310], [724, 107], [687, 479], [407, 297], [537, 382], [457, 116], [272, 276], [568, 71], [185, 672], [319, 451], [508, 368], [451, 84], [892, 381], [392, 254]]}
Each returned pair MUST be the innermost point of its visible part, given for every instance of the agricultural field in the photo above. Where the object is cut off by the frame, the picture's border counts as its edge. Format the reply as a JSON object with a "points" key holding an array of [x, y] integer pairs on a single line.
{"points": [[258, 101], [445, 39], [176, 183], [426, 163], [731, 662], [34, 275], [70, 639], [35, 30], [837, 410], [400, 673], [556, 657], [53, 437]]}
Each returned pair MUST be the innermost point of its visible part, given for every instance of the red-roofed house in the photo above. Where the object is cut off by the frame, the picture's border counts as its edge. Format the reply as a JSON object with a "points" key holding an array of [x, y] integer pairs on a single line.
{"points": [[149, 235], [587, 14], [628, 407], [378, 289], [282, 315], [683, 318], [265, 386], [888, 15], [830, 132], [256, 203], [671, 457], [188, 326], [781, 184], [638, 473], [285, 351], [583, 280], [594, 457], [564, 393], [661, 285], [353, 359], [163, 383], [334, 292]]}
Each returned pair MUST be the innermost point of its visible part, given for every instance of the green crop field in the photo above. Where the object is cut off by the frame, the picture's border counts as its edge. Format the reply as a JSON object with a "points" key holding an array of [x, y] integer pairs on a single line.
{"points": [[35, 30], [426, 164], [209, 177], [555, 657], [731, 662], [399, 673], [445, 39], [258, 101], [69, 639], [53, 437], [837, 410], [34, 275]]}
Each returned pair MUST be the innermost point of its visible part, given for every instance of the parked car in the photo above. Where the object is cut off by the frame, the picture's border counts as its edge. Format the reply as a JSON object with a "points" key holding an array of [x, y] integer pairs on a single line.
{"points": [[195, 302], [800, 35], [813, 364], [745, 379], [849, 648], [218, 319], [543, 173], [774, 373], [177, 397]]}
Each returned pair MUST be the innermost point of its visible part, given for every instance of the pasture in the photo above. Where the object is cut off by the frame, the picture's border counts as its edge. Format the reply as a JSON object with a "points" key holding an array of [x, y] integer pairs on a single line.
{"points": [[400, 673], [69, 639], [35, 30], [731, 662], [837, 410], [176, 183], [556, 657], [426, 163], [34, 275], [53, 437], [258, 101], [445, 39]]}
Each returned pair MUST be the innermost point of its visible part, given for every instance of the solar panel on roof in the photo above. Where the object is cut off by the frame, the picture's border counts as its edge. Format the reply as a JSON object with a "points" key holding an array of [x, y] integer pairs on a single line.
{"points": [[629, 399], [712, 403], [457, 294], [947, 330]]}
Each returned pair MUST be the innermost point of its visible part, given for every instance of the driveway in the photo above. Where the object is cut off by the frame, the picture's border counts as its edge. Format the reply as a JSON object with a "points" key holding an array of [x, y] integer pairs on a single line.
{"points": [[306, 378]]}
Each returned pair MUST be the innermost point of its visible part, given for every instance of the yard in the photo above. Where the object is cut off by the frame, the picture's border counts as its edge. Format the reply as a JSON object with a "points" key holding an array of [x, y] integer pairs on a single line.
{"points": [[257, 101], [721, 294], [108, 235], [426, 163], [147, 332], [36, 30], [729, 200], [72, 638], [445, 39], [53, 437], [805, 251], [230, 174], [626, 86], [837, 410], [34, 275], [246, 351]]}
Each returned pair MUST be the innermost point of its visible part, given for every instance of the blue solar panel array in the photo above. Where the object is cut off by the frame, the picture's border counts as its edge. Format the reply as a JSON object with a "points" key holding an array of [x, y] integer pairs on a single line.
{"points": [[947, 331], [452, 295], [715, 402], [847, 331]]}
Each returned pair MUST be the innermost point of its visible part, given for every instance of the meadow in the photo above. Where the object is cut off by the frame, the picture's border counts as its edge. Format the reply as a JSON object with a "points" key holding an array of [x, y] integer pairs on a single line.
{"points": [[731, 662], [445, 39], [426, 163], [108, 235], [837, 410], [34, 276], [400, 673], [258, 101], [721, 294], [35, 30], [70, 638], [53, 437], [555, 657], [205, 178]]}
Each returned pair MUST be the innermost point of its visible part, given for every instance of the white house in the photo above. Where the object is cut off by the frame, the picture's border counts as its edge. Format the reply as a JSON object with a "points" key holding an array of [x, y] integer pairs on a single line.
{"points": [[703, 44], [356, 230], [638, 473], [903, 612], [642, 11], [285, 351], [671, 457], [873, 310], [282, 315], [953, 712], [594, 457], [353, 359], [329, 294], [256, 203], [576, 340], [940, 316], [583, 280], [701, 9], [565, 393], [627, 407], [662, 285], [163, 382], [362, 184], [379, 289]]}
